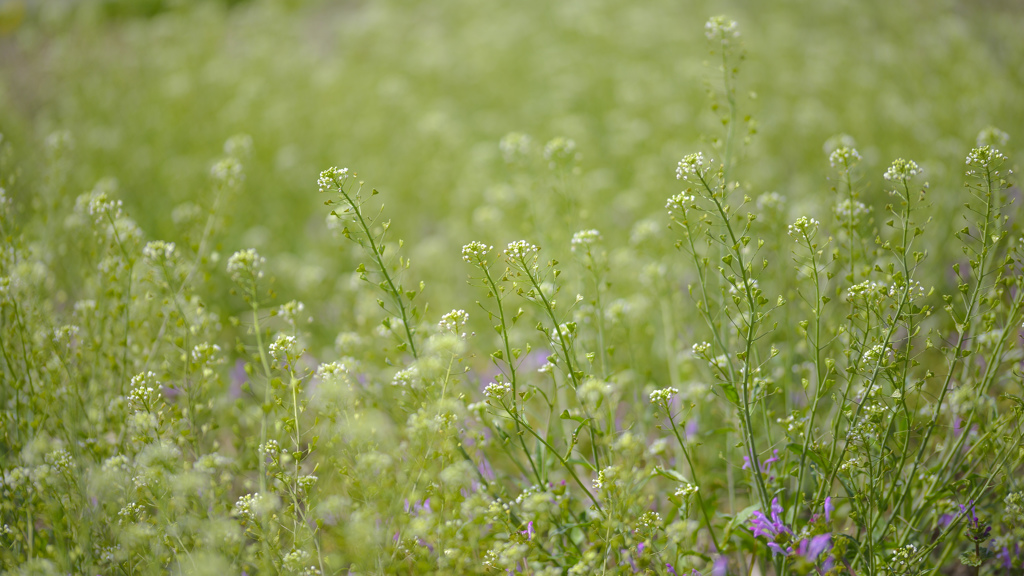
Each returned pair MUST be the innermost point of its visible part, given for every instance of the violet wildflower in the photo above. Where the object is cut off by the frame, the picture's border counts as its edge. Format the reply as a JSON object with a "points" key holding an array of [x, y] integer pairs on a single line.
{"points": [[773, 529], [829, 508]]}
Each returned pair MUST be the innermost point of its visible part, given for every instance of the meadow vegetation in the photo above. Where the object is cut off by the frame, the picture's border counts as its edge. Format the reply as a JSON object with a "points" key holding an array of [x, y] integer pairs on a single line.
{"points": [[306, 287]]}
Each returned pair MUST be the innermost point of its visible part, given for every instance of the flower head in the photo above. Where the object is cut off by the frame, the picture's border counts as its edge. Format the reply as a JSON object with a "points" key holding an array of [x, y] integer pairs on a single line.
{"points": [[902, 170]]}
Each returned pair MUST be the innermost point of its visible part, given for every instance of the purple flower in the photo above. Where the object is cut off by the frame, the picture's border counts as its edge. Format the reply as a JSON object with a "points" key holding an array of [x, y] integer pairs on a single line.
{"points": [[529, 530], [771, 528], [813, 548], [721, 566], [829, 509], [670, 569]]}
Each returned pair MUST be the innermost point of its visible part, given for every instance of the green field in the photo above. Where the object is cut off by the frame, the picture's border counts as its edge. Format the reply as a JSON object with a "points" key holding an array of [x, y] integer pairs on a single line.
{"points": [[218, 355]]}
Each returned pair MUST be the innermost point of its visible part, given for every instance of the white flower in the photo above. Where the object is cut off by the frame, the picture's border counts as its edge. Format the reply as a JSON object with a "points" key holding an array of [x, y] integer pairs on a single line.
{"points": [[721, 28], [228, 172], [497, 391], [901, 170], [521, 250], [585, 239], [332, 178], [475, 252], [560, 152], [992, 136], [692, 165], [158, 249], [663, 395], [848, 209], [247, 262], [282, 347], [515, 146], [679, 202], [451, 321], [686, 489], [804, 227], [844, 157]]}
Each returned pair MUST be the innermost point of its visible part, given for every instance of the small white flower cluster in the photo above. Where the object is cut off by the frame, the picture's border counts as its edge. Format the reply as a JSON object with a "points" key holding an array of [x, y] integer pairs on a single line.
{"points": [[205, 353], [59, 460], [475, 252], [565, 330], [692, 165], [866, 290], [331, 178], [296, 561], [648, 521], [130, 513], [878, 352], [305, 482], [281, 347], [520, 250], [101, 206], [246, 262], [844, 156], [560, 152], [270, 448], [680, 202], [848, 209], [238, 146], [687, 489], [497, 391], [770, 201], [228, 172], [406, 377], [901, 170], [290, 312], [850, 464], [158, 250], [247, 508], [144, 391], [901, 556], [914, 289], [515, 147], [663, 395], [721, 28], [585, 239], [701, 348], [605, 476], [803, 227], [63, 335], [331, 370], [452, 321], [984, 157], [992, 136]]}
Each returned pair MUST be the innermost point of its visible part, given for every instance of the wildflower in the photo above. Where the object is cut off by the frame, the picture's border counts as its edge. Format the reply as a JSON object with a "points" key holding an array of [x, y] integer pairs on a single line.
{"points": [[515, 147], [901, 170], [585, 239], [829, 509], [770, 201], [332, 178], [158, 250], [662, 396], [520, 250], [992, 136], [228, 172], [686, 489], [701, 348], [560, 152], [850, 210], [844, 156], [692, 165], [803, 227], [451, 321], [143, 394], [679, 202], [812, 548], [406, 377], [984, 157], [282, 347], [772, 529], [721, 28], [475, 252], [977, 530], [497, 391], [245, 262]]}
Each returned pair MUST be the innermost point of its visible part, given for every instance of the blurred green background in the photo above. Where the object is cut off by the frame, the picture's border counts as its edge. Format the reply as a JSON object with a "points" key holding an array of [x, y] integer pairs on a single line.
{"points": [[415, 97]]}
